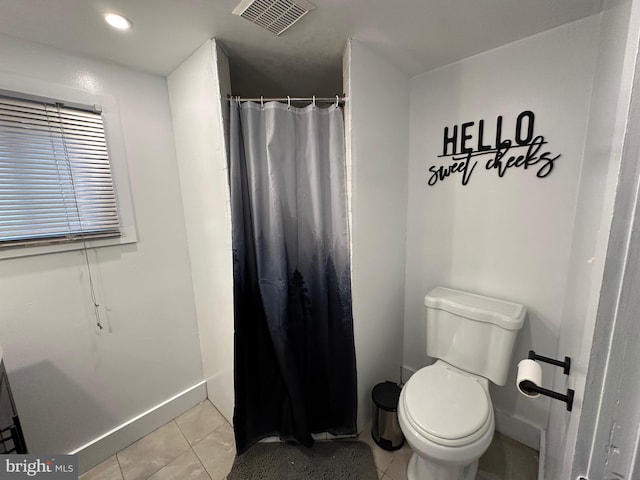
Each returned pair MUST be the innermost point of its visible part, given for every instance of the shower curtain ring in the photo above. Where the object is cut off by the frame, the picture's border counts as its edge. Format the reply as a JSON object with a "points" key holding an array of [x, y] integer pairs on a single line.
{"points": [[261, 101], [289, 102], [314, 100], [337, 101]]}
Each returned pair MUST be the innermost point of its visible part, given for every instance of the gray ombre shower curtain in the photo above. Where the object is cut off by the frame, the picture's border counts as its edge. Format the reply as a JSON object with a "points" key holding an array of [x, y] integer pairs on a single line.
{"points": [[295, 370]]}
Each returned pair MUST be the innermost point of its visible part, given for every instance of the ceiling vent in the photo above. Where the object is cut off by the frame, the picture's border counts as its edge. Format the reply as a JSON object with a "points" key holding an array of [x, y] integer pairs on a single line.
{"points": [[273, 15]]}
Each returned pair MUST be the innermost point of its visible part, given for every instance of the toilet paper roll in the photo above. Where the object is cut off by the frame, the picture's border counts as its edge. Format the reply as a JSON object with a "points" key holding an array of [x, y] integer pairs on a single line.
{"points": [[529, 372]]}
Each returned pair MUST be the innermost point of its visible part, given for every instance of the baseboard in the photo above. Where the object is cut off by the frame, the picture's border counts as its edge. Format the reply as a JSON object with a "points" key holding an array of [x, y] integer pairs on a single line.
{"points": [[111, 442], [518, 429]]}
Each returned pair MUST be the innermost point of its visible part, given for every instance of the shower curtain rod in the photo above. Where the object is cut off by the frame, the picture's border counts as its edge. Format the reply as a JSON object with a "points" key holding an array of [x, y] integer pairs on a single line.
{"points": [[337, 99]]}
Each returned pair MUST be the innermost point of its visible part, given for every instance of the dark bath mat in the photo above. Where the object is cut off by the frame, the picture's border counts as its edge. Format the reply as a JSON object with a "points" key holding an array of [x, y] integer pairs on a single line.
{"points": [[330, 460]]}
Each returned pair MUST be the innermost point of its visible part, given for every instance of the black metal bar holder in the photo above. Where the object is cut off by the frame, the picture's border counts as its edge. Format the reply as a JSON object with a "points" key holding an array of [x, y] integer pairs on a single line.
{"points": [[532, 387]]}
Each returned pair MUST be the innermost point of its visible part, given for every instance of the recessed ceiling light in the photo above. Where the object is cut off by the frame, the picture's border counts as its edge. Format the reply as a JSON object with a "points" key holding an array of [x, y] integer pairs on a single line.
{"points": [[117, 21]]}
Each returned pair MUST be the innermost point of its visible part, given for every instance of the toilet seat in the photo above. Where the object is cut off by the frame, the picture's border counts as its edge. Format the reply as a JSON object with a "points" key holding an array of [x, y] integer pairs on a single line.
{"points": [[446, 406]]}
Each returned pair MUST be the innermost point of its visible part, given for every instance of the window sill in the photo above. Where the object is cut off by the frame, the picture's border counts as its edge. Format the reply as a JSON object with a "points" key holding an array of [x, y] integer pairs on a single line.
{"points": [[128, 235]]}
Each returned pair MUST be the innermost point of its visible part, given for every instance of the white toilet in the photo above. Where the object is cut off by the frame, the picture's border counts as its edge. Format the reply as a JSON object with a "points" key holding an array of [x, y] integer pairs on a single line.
{"points": [[445, 410]]}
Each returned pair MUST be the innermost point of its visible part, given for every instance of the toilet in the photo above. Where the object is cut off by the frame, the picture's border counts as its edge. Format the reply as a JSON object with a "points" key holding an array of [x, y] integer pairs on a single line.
{"points": [[445, 410]]}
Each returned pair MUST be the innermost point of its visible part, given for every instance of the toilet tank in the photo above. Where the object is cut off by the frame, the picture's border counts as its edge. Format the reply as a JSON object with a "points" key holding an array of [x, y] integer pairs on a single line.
{"points": [[472, 332]]}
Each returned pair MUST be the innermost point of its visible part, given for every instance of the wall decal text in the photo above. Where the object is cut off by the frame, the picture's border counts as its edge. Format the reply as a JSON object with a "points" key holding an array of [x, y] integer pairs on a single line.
{"points": [[465, 143]]}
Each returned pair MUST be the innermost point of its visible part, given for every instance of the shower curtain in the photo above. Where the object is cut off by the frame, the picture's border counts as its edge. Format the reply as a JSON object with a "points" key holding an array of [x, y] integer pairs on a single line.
{"points": [[295, 370]]}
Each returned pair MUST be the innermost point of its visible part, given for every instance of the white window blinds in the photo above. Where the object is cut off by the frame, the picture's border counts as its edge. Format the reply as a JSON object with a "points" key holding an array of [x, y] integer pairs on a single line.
{"points": [[55, 177]]}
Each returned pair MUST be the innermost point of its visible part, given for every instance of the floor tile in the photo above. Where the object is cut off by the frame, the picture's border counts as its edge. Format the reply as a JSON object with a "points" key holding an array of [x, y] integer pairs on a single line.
{"points": [[217, 452], [151, 453], [186, 466], [522, 461], [381, 457], [107, 470], [200, 421], [166, 455], [507, 459], [493, 462], [488, 476], [397, 469]]}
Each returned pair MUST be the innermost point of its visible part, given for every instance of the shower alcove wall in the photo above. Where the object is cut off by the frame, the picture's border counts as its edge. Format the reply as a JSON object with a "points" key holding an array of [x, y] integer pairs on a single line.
{"points": [[198, 91]]}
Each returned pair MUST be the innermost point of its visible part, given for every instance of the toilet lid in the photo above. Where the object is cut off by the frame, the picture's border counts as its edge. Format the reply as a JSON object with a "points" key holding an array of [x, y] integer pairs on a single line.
{"points": [[445, 404]]}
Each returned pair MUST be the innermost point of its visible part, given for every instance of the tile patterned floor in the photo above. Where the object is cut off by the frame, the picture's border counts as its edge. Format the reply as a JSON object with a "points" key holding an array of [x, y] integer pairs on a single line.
{"points": [[199, 445]]}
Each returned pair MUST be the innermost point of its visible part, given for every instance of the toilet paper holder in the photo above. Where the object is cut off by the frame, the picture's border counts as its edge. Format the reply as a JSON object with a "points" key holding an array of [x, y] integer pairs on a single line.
{"points": [[530, 387], [566, 365]]}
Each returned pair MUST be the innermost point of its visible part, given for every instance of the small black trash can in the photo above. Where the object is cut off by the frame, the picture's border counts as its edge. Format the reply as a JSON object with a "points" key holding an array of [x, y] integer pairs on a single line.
{"points": [[385, 429]]}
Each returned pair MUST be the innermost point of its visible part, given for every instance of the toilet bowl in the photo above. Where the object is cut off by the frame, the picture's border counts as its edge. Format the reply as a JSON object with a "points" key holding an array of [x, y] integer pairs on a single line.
{"points": [[447, 419], [445, 410]]}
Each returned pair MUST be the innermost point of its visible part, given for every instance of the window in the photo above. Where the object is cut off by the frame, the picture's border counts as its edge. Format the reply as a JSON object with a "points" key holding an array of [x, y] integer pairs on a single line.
{"points": [[55, 176]]}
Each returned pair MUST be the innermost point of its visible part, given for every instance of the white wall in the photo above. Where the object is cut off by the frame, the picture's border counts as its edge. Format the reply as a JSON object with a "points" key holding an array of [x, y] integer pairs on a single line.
{"points": [[603, 149], [377, 142], [506, 237], [71, 382], [198, 91]]}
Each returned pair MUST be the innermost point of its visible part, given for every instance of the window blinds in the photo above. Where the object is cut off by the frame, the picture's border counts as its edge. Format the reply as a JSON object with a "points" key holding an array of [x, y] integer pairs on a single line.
{"points": [[55, 177]]}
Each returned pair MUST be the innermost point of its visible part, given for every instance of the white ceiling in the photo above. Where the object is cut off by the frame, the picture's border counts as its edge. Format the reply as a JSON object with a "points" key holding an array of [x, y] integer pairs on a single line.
{"points": [[415, 35]]}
